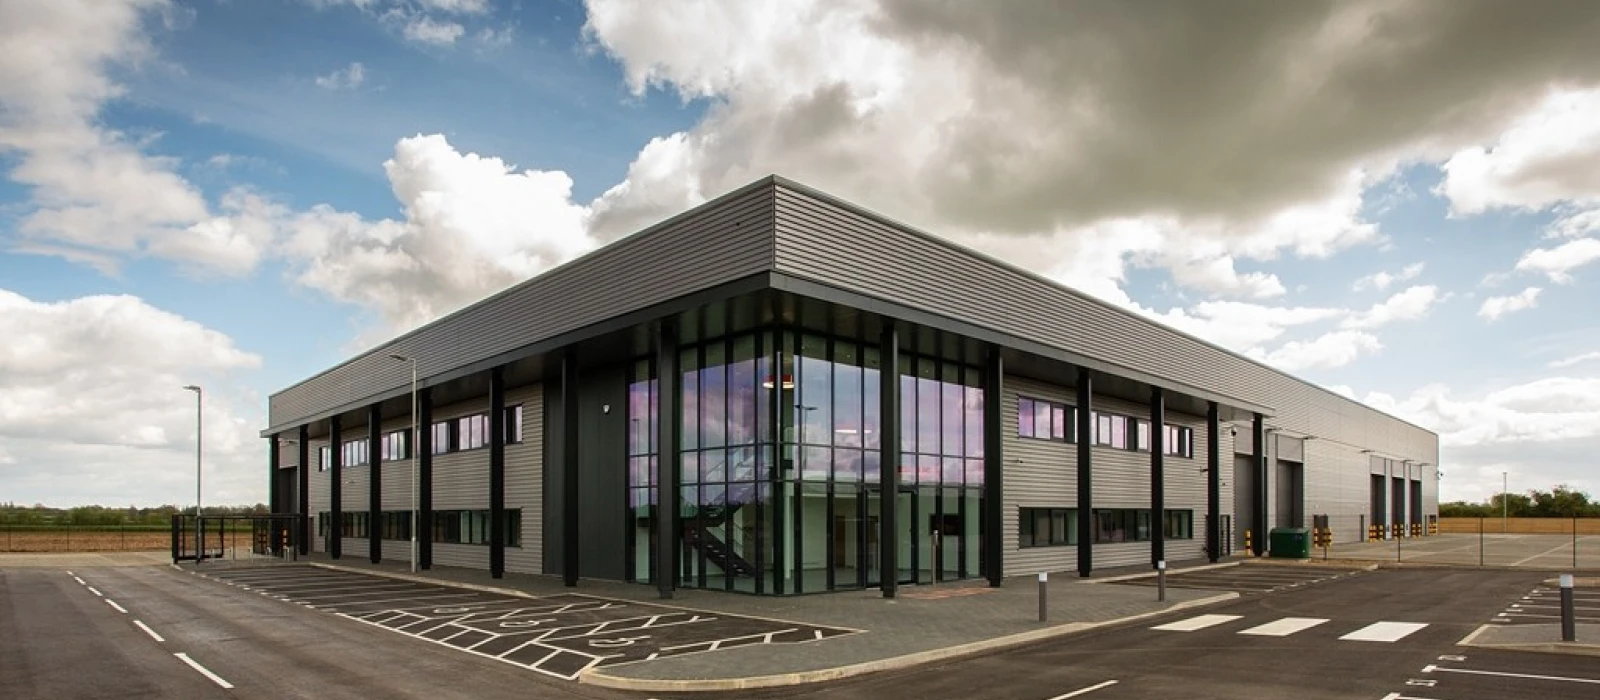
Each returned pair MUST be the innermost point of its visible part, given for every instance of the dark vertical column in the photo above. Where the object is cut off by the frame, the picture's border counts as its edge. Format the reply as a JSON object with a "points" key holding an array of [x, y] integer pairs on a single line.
{"points": [[1258, 518], [888, 459], [669, 403], [304, 476], [1213, 482], [335, 490], [497, 473], [993, 468], [569, 468], [1158, 476], [1085, 413], [374, 484], [424, 447], [275, 495]]}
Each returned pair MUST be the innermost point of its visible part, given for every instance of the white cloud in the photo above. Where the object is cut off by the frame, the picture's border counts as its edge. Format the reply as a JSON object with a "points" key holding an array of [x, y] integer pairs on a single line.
{"points": [[92, 409], [1494, 308], [94, 193], [1407, 305], [348, 78], [1381, 279], [473, 225], [1575, 359], [1557, 263], [466, 7], [1333, 349], [1550, 155], [1551, 408], [426, 30], [1576, 223]]}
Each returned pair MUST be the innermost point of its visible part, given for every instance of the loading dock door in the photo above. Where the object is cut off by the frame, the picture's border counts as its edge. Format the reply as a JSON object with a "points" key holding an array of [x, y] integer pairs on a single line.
{"points": [[1397, 496], [1289, 491], [1380, 510], [1416, 502]]}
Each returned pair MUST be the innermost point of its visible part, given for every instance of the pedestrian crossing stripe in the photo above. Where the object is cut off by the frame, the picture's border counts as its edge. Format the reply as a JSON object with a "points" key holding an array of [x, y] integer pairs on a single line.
{"points": [[1386, 631]]}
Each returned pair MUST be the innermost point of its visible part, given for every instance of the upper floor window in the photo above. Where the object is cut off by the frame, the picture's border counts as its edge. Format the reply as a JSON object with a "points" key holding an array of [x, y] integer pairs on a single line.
{"points": [[395, 445], [353, 452], [441, 438], [1179, 442], [1044, 420], [324, 458], [472, 432], [513, 424]]}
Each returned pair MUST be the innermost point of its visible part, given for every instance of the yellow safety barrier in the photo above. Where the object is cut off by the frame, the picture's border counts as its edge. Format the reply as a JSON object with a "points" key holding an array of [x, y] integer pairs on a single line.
{"points": [[1248, 551]]}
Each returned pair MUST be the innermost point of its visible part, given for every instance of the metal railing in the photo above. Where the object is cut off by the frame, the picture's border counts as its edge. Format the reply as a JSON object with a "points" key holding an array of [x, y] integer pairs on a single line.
{"points": [[235, 537]]}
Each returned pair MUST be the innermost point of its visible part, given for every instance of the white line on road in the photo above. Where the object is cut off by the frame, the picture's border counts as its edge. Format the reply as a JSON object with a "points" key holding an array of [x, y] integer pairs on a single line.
{"points": [[203, 670], [1384, 632], [98, 593], [1397, 696], [80, 581], [1564, 547], [1084, 691], [119, 608], [1561, 679], [1284, 627], [148, 631], [1198, 622]]}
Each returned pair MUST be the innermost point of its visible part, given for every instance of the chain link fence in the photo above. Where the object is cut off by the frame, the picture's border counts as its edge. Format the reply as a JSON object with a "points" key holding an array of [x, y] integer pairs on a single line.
{"points": [[1566, 544]]}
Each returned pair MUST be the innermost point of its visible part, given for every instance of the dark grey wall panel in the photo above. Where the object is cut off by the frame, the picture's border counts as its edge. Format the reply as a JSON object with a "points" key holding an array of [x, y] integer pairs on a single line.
{"points": [[603, 462], [826, 241], [723, 241]]}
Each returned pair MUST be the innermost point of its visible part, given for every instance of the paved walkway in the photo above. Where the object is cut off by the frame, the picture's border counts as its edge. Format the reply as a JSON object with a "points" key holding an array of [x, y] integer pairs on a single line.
{"points": [[924, 624]]}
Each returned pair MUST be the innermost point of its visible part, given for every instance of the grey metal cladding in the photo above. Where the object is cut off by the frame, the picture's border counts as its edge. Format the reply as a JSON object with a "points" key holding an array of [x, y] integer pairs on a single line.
{"points": [[725, 240], [826, 241]]}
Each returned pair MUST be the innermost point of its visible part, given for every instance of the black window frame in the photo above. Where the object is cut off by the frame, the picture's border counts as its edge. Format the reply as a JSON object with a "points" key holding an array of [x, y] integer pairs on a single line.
{"points": [[1028, 531], [1068, 425]]}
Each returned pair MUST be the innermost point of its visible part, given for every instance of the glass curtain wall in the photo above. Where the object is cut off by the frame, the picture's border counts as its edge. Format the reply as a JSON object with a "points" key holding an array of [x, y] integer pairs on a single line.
{"points": [[779, 485]]}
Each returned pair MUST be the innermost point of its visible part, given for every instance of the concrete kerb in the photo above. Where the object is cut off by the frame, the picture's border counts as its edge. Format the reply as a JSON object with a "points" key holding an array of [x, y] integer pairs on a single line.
{"points": [[1152, 574], [1567, 648], [597, 676], [524, 594]]}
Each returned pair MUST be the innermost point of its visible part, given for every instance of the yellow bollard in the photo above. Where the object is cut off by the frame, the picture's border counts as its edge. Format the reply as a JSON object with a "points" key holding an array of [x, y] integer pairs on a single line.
{"points": [[1248, 550]]}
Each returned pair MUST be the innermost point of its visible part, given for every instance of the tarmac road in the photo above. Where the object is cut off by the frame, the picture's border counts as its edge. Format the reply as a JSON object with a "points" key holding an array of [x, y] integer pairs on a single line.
{"points": [[63, 639]]}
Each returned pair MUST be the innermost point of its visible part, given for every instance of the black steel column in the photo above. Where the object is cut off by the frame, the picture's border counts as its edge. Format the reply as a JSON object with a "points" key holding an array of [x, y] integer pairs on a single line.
{"points": [[1213, 483], [304, 477], [374, 483], [1258, 518], [1085, 436], [669, 403], [424, 448], [993, 468], [274, 492], [1158, 476], [569, 468], [497, 473], [888, 459], [335, 490]]}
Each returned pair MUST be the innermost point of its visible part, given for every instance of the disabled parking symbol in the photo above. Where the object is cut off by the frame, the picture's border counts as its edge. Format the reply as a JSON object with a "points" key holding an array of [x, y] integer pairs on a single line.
{"points": [[617, 642]]}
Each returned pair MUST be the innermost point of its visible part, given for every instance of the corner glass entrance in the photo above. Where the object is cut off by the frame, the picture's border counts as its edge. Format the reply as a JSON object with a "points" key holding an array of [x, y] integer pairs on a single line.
{"points": [[779, 482]]}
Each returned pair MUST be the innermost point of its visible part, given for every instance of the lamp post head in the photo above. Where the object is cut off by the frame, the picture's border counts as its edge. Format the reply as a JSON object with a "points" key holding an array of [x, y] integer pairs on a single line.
{"points": [[193, 388], [398, 356]]}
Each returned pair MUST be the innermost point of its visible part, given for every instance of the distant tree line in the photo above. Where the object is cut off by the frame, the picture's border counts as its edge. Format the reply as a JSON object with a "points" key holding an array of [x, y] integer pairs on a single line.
{"points": [[81, 516], [1560, 502]]}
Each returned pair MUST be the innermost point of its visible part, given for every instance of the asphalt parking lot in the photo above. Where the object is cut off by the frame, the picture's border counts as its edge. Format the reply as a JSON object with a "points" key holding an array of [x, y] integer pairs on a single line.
{"points": [[559, 636], [1547, 552], [1250, 578]]}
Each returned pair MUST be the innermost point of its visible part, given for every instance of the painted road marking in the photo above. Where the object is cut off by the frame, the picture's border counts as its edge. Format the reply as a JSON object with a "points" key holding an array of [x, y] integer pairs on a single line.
{"points": [[1198, 622], [98, 593], [119, 608], [1560, 679], [1084, 691], [149, 631], [1384, 632], [203, 670], [1285, 627], [80, 581]]}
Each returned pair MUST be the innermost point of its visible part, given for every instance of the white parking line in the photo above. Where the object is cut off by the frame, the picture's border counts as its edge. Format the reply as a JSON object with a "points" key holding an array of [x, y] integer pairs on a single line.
{"points": [[149, 631], [1384, 632], [203, 670], [1284, 627], [1565, 547], [352, 603], [98, 593], [1560, 679], [1084, 691], [80, 581], [119, 608], [1198, 622]]}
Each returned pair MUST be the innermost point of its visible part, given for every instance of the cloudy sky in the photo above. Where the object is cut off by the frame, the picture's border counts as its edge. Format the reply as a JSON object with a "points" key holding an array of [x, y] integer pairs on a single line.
{"points": [[1400, 201]]}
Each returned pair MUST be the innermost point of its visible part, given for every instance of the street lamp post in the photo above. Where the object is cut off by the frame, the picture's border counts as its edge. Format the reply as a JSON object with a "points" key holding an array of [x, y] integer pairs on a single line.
{"points": [[412, 448], [199, 550]]}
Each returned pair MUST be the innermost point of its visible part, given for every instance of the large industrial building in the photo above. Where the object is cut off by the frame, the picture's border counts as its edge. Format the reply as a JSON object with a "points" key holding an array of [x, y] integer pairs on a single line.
{"points": [[778, 392]]}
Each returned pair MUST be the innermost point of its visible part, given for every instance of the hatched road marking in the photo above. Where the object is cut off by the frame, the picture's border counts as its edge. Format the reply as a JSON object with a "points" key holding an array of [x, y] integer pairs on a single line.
{"points": [[1387, 632], [1284, 627], [1199, 622]]}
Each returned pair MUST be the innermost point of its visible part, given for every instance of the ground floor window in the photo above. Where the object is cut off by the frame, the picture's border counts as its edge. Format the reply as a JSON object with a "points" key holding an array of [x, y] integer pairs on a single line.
{"points": [[1047, 527], [472, 526], [1133, 525]]}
